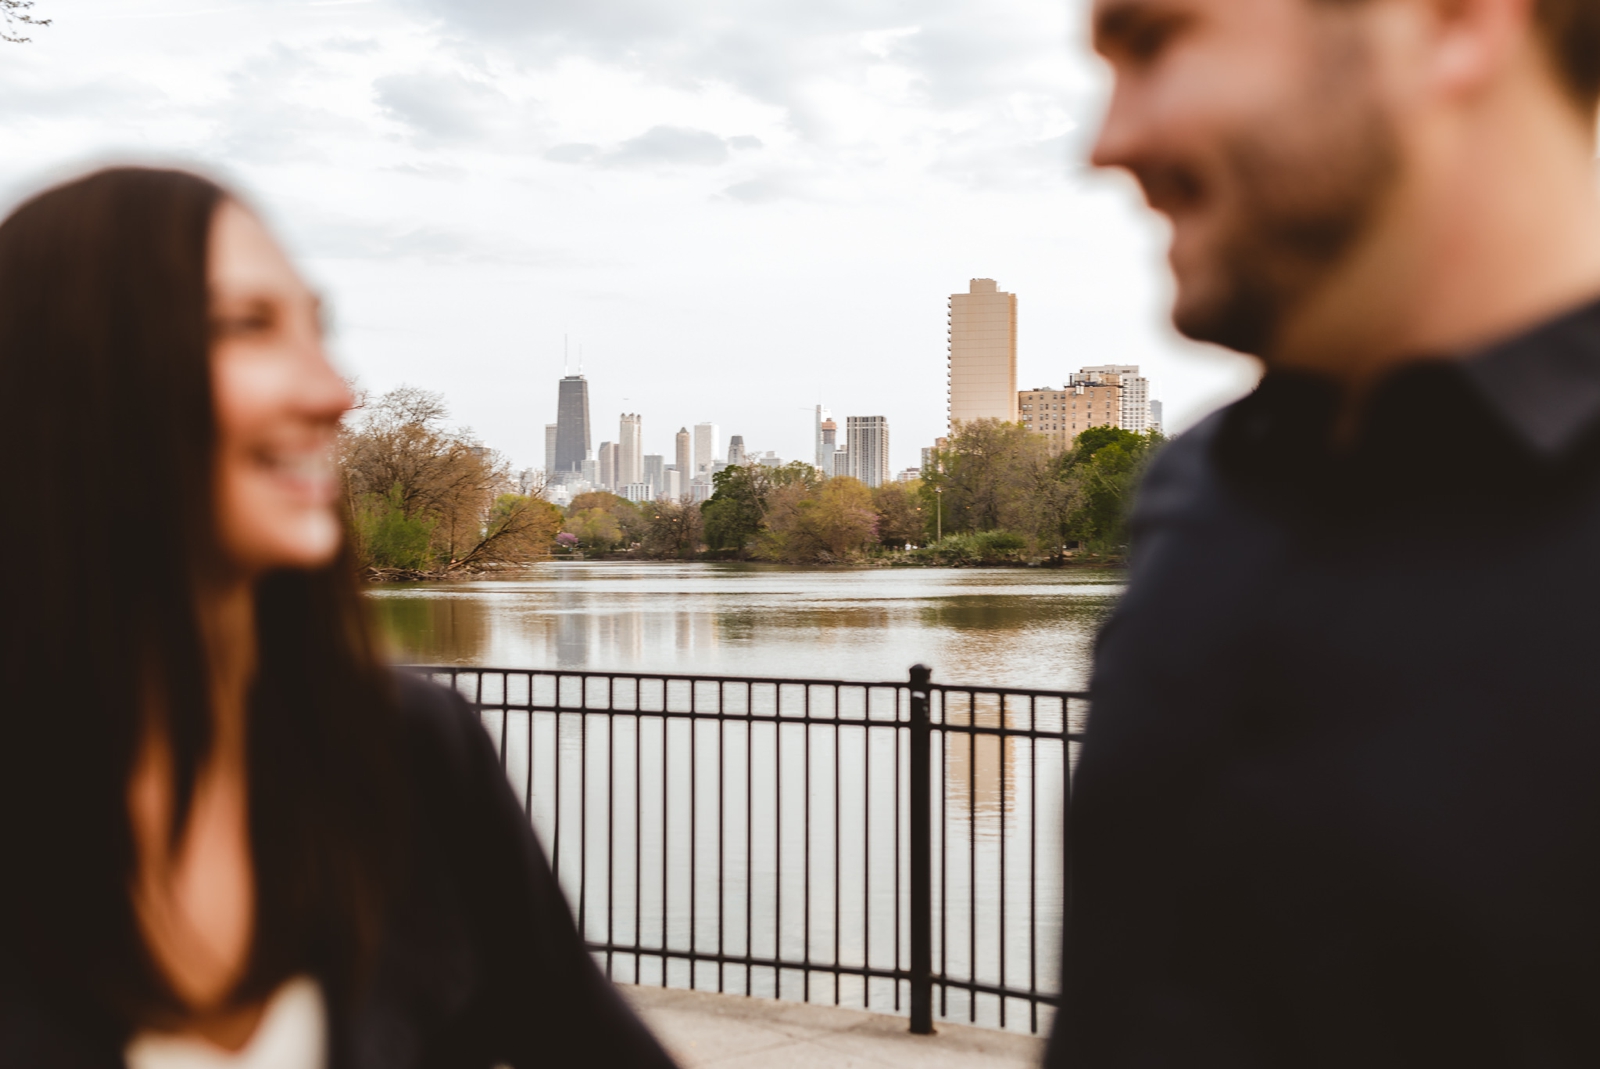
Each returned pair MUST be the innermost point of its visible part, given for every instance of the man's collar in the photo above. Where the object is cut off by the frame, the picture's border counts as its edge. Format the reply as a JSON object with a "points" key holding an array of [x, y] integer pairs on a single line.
{"points": [[1545, 383]]}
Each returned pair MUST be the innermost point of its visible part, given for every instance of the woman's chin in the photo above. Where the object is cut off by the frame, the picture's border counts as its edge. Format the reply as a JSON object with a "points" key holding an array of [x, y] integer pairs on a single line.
{"points": [[304, 542]]}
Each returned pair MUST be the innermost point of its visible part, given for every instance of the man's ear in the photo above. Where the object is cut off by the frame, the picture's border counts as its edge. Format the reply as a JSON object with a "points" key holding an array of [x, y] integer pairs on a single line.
{"points": [[1474, 43]]}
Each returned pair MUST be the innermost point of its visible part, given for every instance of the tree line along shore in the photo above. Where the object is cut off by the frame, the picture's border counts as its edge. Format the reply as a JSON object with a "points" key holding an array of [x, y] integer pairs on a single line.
{"points": [[429, 502]]}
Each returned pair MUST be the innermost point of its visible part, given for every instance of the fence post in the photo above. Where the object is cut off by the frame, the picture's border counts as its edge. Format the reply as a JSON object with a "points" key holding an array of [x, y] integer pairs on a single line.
{"points": [[921, 855]]}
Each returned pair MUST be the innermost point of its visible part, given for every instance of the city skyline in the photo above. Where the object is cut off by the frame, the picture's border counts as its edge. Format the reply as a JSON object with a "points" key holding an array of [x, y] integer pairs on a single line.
{"points": [[981, 376]]}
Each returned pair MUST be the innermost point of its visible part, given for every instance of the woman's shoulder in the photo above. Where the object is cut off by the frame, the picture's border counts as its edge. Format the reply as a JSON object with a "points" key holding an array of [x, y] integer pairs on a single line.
{"points": [[442, 732], [428, 706]]}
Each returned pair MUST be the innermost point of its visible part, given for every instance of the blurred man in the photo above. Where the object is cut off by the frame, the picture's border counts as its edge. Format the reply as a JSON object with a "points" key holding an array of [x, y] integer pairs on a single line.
{"points": [[1340, 799]]}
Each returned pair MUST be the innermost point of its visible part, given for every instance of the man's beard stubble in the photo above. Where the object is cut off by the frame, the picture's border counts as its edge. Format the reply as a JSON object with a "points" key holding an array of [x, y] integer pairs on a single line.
{"points": [[1308, 184]]}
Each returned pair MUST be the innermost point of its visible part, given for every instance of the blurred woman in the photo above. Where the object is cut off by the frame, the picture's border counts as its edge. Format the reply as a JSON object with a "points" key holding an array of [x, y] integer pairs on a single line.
{"points": [[231, 836]]}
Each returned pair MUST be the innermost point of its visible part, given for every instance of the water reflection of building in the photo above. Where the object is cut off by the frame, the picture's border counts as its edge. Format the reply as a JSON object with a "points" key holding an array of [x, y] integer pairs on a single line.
{"points": [[694, 632], [972, 766], [630, 639]]}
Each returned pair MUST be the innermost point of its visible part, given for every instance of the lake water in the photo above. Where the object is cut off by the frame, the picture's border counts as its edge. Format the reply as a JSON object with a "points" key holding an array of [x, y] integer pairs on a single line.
{"points": [[1022, 627], [781, 839]]}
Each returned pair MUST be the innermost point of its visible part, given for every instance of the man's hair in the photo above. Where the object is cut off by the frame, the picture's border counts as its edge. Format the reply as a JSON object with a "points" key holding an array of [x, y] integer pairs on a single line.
{"points": [[1571, 31]]}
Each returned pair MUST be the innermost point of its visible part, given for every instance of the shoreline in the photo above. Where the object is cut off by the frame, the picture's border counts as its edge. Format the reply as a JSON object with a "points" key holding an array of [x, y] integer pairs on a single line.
{"points": [[379, 576]]}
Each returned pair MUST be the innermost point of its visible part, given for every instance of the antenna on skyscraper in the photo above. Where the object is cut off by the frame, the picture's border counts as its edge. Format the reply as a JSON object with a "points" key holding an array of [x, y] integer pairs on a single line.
{"points": [[566, 364]]}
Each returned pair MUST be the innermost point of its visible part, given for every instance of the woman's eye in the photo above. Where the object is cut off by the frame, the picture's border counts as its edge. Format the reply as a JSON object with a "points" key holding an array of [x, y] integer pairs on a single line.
{"points": [[244, 325]]}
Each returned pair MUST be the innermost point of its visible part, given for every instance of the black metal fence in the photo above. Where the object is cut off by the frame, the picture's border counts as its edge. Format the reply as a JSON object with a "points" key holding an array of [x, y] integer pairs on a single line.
{"points": [[897, 846]]}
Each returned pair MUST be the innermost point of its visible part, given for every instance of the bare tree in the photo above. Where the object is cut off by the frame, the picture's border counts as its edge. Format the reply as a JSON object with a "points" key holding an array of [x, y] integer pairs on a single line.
{"points": [[413, 479], [16, 14]]}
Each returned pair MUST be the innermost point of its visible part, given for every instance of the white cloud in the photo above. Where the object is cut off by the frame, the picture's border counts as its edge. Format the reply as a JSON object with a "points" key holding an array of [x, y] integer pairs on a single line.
{"points": [[440, 107]]}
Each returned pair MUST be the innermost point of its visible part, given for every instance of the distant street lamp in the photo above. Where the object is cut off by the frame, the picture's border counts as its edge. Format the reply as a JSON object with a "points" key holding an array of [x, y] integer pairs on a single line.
{"points": [[939, 514]]}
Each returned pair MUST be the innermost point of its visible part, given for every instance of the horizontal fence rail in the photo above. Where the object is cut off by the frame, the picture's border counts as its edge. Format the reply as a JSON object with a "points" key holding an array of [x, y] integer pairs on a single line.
{"points": [[897, 846]]}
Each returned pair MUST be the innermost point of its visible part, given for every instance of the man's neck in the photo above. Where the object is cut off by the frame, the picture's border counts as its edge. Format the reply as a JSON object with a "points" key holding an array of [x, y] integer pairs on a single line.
{"points": [[1494, 228]]}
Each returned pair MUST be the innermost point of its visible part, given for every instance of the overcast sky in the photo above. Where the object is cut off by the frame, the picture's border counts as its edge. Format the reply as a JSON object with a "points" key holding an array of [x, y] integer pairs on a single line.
{"points": [[737, 208]]}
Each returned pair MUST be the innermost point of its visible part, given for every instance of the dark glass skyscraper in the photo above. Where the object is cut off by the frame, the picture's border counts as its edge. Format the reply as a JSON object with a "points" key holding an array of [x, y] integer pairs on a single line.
{"points": [[572, 424]]}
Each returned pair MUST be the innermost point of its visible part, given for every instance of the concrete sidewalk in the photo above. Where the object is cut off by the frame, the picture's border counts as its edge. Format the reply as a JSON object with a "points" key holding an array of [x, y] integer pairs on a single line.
{"points": [[734, 1032]]}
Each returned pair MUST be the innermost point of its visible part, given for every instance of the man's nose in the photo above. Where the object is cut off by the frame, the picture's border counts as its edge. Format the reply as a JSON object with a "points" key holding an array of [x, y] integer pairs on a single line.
{"points": [[1121, 135]]}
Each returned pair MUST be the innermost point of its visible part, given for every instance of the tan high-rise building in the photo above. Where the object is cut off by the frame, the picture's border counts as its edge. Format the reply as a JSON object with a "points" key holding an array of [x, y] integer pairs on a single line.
{"points": [[983, 354], [684, 462], [630, 450], [1063, 414]]}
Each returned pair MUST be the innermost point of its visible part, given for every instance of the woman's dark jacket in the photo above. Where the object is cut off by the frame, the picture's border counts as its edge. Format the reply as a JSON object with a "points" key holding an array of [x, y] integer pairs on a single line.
{"points": [[482, 966]]}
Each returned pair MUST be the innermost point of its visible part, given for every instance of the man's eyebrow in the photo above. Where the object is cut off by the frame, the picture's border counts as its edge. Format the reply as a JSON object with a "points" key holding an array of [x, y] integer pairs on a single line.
{"points": [[1119, 20]]}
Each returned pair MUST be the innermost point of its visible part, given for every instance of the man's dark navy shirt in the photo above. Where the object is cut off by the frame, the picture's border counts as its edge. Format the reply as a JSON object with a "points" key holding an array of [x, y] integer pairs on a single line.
{"points": [[1339, 801]]}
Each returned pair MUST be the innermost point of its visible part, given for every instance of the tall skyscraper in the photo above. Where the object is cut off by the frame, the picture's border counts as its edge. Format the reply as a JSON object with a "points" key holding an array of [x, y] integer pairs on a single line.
{"points": [[1156, 423], [630, 450], [684, 460], [672, 482], [1135, 392], [705, 449], [608, 465], [983, 354], [736, 457], [827, 444], [550, 432], [868, 438], [572, 424], [655, 468]]}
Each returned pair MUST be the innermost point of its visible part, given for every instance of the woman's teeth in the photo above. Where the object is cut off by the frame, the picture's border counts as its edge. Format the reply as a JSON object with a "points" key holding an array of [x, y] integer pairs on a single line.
{"points": [[301, 465]]}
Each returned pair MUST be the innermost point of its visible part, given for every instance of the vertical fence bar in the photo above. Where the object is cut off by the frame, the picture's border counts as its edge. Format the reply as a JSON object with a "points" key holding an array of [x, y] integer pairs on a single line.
{"points": [[805, 894], [921, 857], [972, 856], [611, 818], [694, 833]]}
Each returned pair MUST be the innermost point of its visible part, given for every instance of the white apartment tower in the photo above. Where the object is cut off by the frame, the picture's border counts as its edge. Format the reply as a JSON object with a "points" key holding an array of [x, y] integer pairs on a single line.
{"points": [[550, 446], [630, 450], [868, 447], [982, 362], [705, 450]]}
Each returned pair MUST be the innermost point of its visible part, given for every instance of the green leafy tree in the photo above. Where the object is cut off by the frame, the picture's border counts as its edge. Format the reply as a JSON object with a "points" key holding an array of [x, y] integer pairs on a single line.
{"points": [[989, 474], [737, 509], [387, 538], [1102, 471], [603, 521]]}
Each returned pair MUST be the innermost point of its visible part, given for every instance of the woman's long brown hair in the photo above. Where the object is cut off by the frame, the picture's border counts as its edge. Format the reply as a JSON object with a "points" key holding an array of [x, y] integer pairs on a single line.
{"points": [[106, 544]]}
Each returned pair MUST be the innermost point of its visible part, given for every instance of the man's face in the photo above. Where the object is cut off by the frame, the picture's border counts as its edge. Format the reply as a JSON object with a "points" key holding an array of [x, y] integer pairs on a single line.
{"points": [[1257, 128]]}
